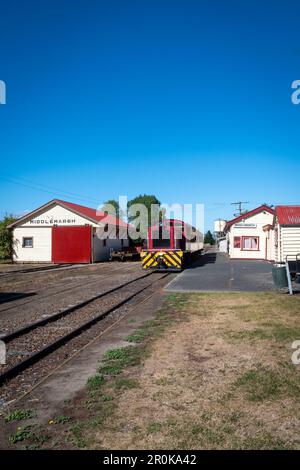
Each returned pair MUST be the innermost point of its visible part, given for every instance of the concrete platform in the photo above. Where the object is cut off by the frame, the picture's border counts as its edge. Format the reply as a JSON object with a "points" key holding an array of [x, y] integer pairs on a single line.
{"points": [[215, 272]]}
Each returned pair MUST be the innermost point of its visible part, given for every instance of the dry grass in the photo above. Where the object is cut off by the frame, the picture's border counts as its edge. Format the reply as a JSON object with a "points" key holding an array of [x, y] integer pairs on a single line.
{"points": [[219, 377]]}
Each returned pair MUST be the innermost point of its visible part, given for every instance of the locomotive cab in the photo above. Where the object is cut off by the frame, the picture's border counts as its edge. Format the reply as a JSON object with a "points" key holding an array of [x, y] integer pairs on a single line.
{"points": [[164, 247], [168, 248]]}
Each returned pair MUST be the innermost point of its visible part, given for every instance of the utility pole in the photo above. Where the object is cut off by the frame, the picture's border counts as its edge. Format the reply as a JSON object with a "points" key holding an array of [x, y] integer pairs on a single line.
{"points": [[240, 209]]}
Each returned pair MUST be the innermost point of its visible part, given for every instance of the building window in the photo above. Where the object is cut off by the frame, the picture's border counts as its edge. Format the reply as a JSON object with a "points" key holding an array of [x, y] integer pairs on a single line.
{"points": [[251, 243], [237, 242], [27, 242]]}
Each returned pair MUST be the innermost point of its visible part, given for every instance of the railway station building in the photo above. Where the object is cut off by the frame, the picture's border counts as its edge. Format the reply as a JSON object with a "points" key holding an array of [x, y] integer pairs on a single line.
{"points": [[265, 233], [251, 235], [63, 232]]}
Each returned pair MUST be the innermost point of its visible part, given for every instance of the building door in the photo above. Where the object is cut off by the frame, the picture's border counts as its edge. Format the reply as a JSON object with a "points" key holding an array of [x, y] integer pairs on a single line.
{"points": [[71, 244]]}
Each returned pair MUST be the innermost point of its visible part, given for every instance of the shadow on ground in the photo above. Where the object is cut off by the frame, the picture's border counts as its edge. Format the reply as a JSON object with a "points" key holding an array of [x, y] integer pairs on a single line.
{"points": [[207, 258], [11, 296]]}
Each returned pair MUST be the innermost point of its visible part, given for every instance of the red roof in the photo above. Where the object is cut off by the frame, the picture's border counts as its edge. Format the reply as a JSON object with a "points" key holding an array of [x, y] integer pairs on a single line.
{"points": [[94, 214], [288, 215], [259, 209]]}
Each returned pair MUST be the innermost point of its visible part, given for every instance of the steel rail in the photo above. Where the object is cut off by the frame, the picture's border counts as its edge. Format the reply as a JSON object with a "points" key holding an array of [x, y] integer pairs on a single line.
{"points": [[33, 296], [35, 357], [33, 270], [32, 326]]}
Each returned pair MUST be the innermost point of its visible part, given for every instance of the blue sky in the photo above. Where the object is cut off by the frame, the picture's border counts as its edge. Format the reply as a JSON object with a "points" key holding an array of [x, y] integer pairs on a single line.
{"points": [[187, 100]]}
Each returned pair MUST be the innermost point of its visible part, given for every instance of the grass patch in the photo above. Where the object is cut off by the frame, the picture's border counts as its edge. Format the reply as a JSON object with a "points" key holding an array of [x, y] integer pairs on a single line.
{"points": [[106, 398], [261, 383], [262, 441], [124, 383], [22, 433], [19, 415], [249, 335], [140, 335], [285, 333], [110, 369], [95, 382], [127, 356], [115, 360], [77, 435], [62, 419], [31, 447], [154, 427], [276, 331]]}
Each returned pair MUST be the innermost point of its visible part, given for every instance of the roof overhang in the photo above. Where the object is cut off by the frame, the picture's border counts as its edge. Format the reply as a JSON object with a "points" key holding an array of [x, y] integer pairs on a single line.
{"points": [[49, 204], [258, 210]]}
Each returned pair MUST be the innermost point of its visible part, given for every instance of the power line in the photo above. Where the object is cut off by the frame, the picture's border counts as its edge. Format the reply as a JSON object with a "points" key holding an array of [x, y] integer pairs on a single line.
{"points": [[47, 189]]}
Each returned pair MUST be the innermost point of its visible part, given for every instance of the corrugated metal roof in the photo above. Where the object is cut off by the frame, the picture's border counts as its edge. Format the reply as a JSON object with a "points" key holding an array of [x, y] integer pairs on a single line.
{"points": [[288, 215]]}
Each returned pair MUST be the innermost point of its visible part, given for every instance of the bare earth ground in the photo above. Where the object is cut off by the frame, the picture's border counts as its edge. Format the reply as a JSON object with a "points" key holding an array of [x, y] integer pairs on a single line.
{"points": [[211, 371]]}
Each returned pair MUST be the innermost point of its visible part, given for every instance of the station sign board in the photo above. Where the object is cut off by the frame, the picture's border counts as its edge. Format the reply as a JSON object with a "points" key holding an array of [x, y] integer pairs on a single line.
{"points": [[244, 225]]}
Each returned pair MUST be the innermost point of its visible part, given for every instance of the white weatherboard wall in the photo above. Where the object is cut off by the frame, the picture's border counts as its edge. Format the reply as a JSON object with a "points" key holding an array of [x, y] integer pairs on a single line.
{"points": [[271, 247], [42, 244], [251, 227], [289, 242]]}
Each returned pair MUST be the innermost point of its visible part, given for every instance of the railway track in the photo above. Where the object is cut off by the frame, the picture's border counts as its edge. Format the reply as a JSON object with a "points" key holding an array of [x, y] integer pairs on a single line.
{"points": [[50, 292], [30, 343], [38, 269]]}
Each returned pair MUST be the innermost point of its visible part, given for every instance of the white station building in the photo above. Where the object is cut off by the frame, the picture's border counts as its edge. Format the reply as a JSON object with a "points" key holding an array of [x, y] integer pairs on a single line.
{"points": [[63, 232], [248, 236], [265, 233]]}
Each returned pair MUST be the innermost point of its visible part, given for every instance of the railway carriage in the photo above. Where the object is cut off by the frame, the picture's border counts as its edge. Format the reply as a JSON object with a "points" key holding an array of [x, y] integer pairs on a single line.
{"points": [[171, 245]]}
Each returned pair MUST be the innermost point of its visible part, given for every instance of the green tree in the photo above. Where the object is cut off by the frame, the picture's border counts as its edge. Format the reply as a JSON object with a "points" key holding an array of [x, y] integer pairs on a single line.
{"points": [[142, 221], [208, 238], [6, 237], [112, 203]]}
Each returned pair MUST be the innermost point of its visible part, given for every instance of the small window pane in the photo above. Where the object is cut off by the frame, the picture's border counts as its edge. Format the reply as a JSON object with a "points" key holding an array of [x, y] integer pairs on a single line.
{"points": [[237, 242], [250, 243], [27, 242]]}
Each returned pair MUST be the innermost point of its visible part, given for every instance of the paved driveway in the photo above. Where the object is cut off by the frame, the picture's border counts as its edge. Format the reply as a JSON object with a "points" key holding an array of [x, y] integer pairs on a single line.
{"points": [[216, 272]]}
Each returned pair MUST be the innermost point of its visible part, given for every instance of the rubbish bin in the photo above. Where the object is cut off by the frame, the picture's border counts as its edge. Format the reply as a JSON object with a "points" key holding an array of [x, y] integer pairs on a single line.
{"points": [[279, 275]]}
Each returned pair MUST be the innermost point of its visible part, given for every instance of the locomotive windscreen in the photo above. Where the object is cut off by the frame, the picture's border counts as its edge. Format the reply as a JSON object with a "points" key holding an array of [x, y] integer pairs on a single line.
{"points": [[161, 238]]}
